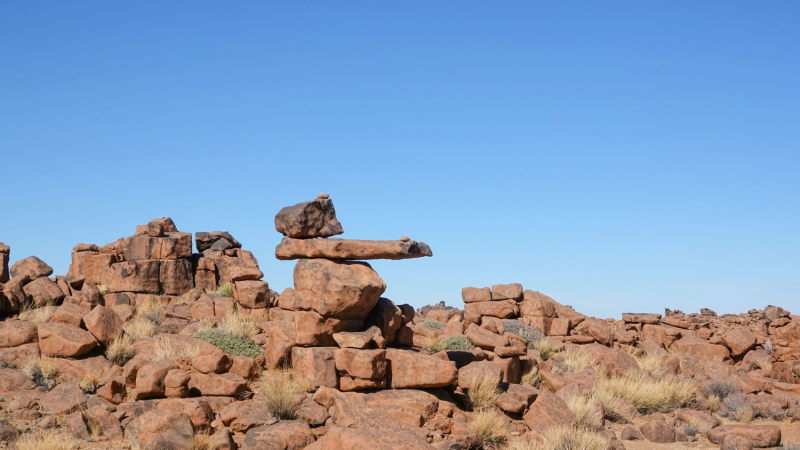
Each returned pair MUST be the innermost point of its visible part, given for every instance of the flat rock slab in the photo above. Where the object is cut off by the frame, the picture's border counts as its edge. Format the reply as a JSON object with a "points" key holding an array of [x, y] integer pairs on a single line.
{"points": [[290, 248]]}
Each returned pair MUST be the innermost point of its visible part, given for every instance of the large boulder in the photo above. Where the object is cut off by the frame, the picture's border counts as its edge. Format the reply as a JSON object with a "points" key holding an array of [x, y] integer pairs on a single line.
{"points": [[134, 276], [61, 339], [701, 348], [103, 323], [414, 370], [171, 246], [340, 289], [164, 430], [227, 384], [14, 333], [290, 248], [150, 379], [357, 363], [32, 267], [387, 317], [43, 291], [658, 431], [503, 309], [63, 399], [548, 411], [315, 366], [252, 293], [739, 340], [284, 435], [91, 265], [762, 436], [315, 218]]}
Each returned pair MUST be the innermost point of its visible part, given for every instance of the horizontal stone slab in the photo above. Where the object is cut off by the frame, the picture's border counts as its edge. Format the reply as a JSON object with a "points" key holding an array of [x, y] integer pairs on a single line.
{"points": [[290, 248]]}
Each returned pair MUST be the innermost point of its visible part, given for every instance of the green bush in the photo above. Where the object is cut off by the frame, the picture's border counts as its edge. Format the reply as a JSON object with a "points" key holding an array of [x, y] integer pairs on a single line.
{"points": [[230, 344], [532, 335], [432, 324], [458, 342]]}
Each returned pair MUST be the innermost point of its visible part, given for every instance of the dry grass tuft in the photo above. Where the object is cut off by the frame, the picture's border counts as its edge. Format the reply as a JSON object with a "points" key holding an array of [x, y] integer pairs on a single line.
{"points": [[95, 430], [50, 439], [238, 324], [587, 415], [38, 315], [278, 388], [714, 402], [575, 358], [90, 382], [545, 348], [433, 345], [647, 361], [258, 315], [120, 350], [225, 290], [164, 349], [150, 306], [491, 426], [573, 439], [204, 441], [612, 405], [532, 377], [482, 392], [646, 393], [139, 327], [43, 371]]}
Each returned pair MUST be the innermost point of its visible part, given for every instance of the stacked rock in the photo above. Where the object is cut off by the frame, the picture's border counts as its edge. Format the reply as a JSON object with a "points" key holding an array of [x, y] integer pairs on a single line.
{"points": [[334, 326], [28, 282]]}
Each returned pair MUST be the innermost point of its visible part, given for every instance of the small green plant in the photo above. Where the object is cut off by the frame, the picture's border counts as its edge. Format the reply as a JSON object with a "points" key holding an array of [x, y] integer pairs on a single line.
{"points": [[230, 344], [531, 335], [458, 342], [226, 289], [432, 324]]}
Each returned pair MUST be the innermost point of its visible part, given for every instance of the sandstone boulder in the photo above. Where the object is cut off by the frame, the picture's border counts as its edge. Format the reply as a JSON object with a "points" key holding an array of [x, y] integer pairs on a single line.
{"points": [[43, 291], [357, 363], [503, 309], [761, 436], [739, 340], [511, 291], [409, 369], [32, 267], [65, 398], [252, 293], [315, 366], [472, 295], [290, 248], [658, 431], [227, 384], [315, 218], [548, 411], [13, 380], [284, 435], [344, 290], [134, 276], [215, 240], [14, 333], [103, 323], [164, 430], [68, 341]]}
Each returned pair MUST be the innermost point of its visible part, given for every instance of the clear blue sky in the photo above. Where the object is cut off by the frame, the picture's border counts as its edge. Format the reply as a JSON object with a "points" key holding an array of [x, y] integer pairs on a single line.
{"points": [[617, 156]]}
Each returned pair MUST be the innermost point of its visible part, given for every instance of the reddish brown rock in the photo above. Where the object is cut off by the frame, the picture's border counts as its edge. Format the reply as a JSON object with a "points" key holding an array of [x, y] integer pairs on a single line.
{"points": [[134, 276], [315, 366], [14, 333], [13, 380], [315, 218], [344, 290], [511, 291], [483, 338], [228, 384], [5, 251], [658, 431], [739, 340], [735, 442], [103, 323], [284, 435], [762, 436], [414, 370], [641, 318], [242, 416], [32, 267], [60, 339], [479, 370], [617, 363], [216, 362], [150, 379], [91, 266], [176, 276], [282, 336], [65, 398], [290, 248], [43, 291], [366, 364], [388, 318], [472, 294], [312, 412], [503, 309], [70, 313], [316, 330], [701, 349], [240, 268], [548, 411], [172, 245], [111, 429], [252, 293], [164, 430]]}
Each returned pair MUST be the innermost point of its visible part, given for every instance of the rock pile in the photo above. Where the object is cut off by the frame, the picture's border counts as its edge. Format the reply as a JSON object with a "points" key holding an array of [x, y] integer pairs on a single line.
{"points": [[145, 339]]}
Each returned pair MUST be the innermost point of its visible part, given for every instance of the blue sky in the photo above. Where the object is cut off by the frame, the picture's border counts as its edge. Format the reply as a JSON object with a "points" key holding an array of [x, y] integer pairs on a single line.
{"points": [[617, 156]]}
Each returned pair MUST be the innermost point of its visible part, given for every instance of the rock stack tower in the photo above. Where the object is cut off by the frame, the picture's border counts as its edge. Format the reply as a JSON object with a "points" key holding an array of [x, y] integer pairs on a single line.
{"points": [[335, 310]]}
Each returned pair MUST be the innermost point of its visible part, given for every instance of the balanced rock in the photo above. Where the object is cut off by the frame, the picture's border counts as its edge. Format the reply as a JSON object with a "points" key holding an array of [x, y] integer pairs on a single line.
{"points": [[344, 290], [31, 266], [315, 218], [290, 248], [215, 240]]}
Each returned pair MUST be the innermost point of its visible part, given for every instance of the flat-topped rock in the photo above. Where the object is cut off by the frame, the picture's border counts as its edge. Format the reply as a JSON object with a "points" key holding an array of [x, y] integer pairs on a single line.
{"points": [[350, 249], [642, 318], [315, 218]]}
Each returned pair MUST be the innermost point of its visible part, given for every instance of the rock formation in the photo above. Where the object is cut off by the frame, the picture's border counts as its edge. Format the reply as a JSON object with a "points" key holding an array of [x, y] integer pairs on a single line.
{"points": [[144, 339]]}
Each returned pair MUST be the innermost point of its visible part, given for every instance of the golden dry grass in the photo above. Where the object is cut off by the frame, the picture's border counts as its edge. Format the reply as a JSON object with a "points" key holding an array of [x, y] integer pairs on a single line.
{"points": [[166, 349], [278, 388], [102, 287], [120, 350], [225, 289], [258, 315], [647, 361], [531, 377], [50, 439], [647, 393], [545, 348], [42, 370], [151, 305], [575, 358], [238, 324], [139, 327], [90, 382], [433, 345], [95, 430], [491, 426], [482, 392], [560, 438], [586, 415], [204, 441], [713, 402], [38, 315]]}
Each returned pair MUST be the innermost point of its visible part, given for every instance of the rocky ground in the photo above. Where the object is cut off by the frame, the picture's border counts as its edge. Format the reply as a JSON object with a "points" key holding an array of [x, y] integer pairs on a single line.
{"points": [[147, 344]]}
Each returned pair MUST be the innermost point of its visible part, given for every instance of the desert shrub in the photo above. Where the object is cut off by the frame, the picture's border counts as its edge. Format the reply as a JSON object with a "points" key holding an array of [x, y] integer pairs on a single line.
{"points": [[689, 429], [277, 388], [90, 382], [545, 348], [531, 377], [714, 403], [737, 408], [722, 388], [562, 438], [204, 441], [120, 350], [458, 342], [226, 289], [482, 392], [164, 349], [95, 429], [150, 309], [647, 360], [530, 334], [647, 393], [238, 324], [230, 344], [433, 345], [432, 324], [574, 358], [37, 314], [42, 370], [490, 426], [46, 439], [140, 326], [584, 410]]}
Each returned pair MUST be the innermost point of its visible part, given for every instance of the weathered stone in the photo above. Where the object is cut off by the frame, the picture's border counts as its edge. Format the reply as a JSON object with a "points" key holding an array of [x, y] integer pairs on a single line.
{"points": [[739, 341], [290, 248], [511, 291], [548, 411], [92, 266], [414, 370], [172, 246], [13, 380], [478, 370], [14, 333], [150, 379], [63, 399], [241, 268], [5, 252], [316, 330], [103, 323], [762, 436], [658, 431], [641, 318], [315, 218], [312, 412], [134, 276], [164, 430], [471, 294], [701, 348], [366, 364], [176, 276], [483, 338], [503, 309], [315, 366], [284, 435], [359, 339], [32, 267], [217, 362], [282, 336], [344, 290], [43, 291], [348, 383], [111, 429], [388, 318], [223, 240], [618, 363], [227, 384], [242, 416], [60, 339], [69, 313], [252, 293]]}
